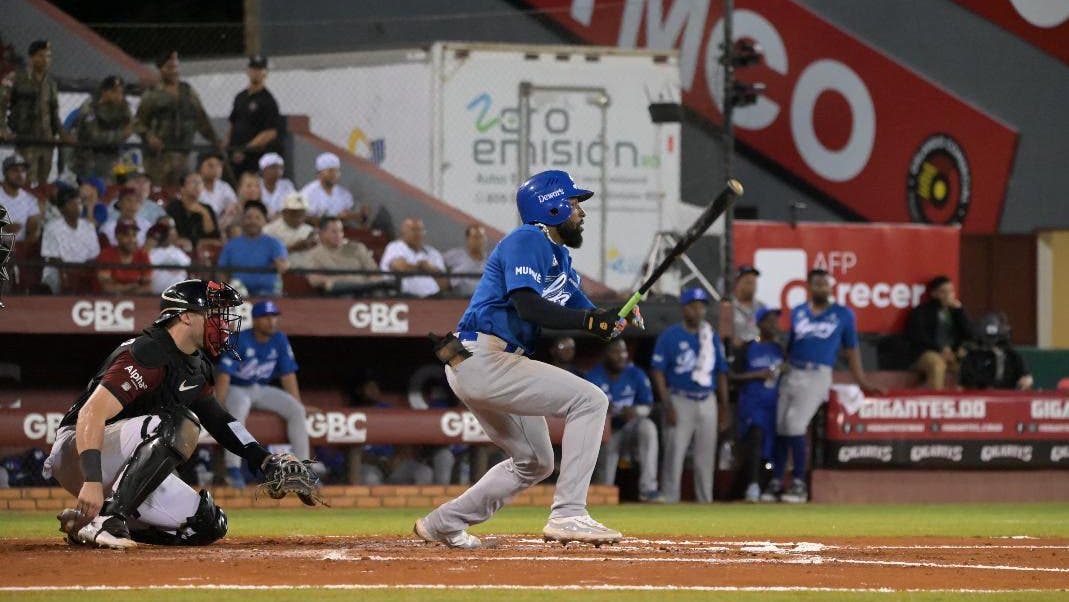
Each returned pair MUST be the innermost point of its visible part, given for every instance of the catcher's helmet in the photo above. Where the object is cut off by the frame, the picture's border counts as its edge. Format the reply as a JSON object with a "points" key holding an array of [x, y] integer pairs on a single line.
{"points": [[217, 301], [543, 199], [7, 247]]}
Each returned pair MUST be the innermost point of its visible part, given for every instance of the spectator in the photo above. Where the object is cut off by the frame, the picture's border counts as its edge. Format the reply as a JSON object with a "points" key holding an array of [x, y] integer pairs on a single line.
{"points": [[248, 190], [254, 121], [29, 110], [168, 118], [688, 372], [162, 251], [291, 229], [22, 207], [994, 363], [325, 196], [745, 306], [254, 249], [246, 383], [938, 330], [216, 193], [469, 259], [562, 355], [135, 280], [192, 219], [410, 254], [274, 188], [103, 124], [70, 239], [758, 364], [92, 192], [336, 253], [151, 211], [630, 399], [820, 328], [129, 206]]}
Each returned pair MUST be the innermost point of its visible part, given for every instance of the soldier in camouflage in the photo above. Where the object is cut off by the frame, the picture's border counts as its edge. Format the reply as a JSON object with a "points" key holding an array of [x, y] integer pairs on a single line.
{"points": [[103, 123], [29, 107], [169, 116]]}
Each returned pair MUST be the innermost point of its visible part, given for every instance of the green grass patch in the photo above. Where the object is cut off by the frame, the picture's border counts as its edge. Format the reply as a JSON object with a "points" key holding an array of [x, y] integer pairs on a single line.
{"points": [[716, 520]]}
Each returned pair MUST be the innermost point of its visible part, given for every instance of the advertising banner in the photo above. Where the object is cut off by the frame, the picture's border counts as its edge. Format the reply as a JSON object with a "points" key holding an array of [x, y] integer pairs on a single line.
{"points": [[1044, 24], [879, 138], [879, 270]]}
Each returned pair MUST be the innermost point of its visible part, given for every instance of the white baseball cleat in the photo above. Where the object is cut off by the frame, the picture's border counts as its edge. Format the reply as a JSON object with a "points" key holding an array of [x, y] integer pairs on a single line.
{"points": [[458, 539], [579, 528], [102, 531]]}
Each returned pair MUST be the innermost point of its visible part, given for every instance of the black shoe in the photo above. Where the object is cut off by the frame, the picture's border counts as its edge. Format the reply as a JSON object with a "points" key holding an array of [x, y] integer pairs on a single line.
{"points": [[797, 493], [772, 492]]}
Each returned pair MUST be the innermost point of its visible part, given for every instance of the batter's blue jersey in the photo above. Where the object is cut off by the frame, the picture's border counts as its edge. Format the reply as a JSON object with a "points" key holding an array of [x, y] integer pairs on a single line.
{"points": [[526, 258], [676, 354], [817, 339], [754, 356], [631, 387], [260, 363]]}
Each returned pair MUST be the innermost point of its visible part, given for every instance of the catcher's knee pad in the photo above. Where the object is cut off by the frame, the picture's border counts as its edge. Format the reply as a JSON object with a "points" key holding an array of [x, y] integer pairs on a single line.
{"points": [[207, 525], [155, 458]]}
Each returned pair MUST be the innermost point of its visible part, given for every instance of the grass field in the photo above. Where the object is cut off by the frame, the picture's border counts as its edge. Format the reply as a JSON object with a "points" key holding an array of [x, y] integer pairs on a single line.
{"points": [[780, 523]]}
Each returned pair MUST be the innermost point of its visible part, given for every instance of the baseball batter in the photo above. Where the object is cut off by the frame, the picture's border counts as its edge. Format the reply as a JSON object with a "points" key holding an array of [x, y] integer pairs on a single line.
{"points": [[528, 284], [819, 329], [140, 416]]}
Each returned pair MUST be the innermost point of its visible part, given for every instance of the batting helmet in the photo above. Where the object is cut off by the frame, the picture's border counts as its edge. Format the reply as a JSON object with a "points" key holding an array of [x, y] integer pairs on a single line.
{"points": [[543, 199]]}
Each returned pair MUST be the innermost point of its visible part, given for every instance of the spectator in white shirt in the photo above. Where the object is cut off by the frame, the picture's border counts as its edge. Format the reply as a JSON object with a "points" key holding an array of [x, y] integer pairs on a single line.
{"points": [[469, 259], [162, 251], [273, 187], [129, 206], [215, 193], [291, 228], [410, 254], [325, 196], [151, 211], [22, 207], [71, 239]]}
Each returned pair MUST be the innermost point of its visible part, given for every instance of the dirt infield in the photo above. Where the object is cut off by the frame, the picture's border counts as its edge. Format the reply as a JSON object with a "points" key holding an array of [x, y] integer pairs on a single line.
{"points": [[855, 563]]}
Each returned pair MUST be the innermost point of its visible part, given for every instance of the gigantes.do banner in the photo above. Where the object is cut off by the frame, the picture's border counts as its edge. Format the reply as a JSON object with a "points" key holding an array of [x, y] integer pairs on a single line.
{"points": [[879, 270], [965, 429], [884, 141]]}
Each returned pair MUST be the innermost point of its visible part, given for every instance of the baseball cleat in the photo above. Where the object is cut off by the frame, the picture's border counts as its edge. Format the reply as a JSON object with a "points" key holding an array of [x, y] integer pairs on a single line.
{"points": [[773, 492], [458, 539], [796, 494], [582, 529], [102, 531], [652, 497], [753, 493]]}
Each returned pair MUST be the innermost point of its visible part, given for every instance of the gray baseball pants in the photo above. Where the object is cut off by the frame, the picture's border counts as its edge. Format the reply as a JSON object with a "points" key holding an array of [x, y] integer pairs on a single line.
{"points": [[801, 392], [240, 400], [639, 438], [695, 420], [511, 395]]}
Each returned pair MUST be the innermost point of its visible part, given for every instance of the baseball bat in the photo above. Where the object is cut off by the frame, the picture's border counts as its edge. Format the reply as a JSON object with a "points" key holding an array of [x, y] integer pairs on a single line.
{"points": [[731, 191]]}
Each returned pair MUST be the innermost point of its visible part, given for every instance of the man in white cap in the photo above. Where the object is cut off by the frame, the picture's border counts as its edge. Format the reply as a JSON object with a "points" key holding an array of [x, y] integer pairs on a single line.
{"points": [[273, 187], [291, 228], [325, 196]]}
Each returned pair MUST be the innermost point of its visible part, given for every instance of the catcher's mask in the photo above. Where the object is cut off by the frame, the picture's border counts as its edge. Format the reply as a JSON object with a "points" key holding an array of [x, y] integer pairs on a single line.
{"points": [[7, 249], [216, 301]]}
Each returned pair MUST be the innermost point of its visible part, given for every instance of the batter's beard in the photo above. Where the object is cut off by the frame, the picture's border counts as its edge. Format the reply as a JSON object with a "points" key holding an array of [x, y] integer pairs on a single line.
{"points": [[570, 235], [821, 300]]}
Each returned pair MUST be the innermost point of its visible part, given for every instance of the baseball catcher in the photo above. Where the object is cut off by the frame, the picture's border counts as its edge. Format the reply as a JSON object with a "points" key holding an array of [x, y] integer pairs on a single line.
{"points": [[140, 417]]}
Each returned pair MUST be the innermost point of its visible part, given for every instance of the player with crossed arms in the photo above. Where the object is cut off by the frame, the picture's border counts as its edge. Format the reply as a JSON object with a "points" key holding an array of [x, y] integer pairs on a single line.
{"points": [[528, 284]]}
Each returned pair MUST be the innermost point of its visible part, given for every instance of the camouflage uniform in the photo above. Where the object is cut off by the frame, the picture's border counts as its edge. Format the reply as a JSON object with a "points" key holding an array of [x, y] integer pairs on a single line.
{"points": [[100, 123], [175, 120], [31, 107]]}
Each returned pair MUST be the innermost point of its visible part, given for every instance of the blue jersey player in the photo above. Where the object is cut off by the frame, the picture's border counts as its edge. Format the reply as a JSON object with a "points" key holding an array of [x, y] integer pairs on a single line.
{"points": [[758, 364], [528, 284], [820, 328]]}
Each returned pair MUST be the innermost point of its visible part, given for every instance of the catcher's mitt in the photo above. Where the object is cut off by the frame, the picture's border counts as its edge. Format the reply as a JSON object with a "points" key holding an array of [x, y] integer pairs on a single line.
{"points": [[284, 473]]}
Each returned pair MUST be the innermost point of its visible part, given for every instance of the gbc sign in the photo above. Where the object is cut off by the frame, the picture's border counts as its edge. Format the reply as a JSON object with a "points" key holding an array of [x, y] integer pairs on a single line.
{"points": [[464, 425], [379, 317], [337, 427], [41, 426], [103, 315]]}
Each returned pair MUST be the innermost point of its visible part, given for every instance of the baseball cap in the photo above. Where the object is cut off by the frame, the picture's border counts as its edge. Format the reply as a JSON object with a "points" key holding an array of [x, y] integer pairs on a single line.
{"points": [[270, 159], [764, 311], [746, 269], [693, 294], [295, 201], [327, 161], [258, 61], [264, 308], [125, 226], [14, 161]]}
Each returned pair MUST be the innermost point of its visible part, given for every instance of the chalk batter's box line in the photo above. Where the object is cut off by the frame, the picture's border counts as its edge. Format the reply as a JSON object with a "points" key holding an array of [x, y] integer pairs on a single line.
{"points": [[644, 588]]}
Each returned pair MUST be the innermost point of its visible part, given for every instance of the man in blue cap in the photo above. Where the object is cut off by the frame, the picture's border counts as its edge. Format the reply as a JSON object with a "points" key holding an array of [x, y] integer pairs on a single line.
{"points": [[758, 364], [689, 374], [244, 384]]}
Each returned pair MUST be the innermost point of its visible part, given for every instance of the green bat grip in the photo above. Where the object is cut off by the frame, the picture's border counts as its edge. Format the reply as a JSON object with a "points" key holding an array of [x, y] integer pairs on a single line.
{"points": [[631, 303]]}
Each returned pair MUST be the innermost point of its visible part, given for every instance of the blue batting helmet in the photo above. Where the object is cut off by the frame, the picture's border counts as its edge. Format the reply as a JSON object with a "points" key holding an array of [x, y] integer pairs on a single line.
{"points": [[543, 199]]}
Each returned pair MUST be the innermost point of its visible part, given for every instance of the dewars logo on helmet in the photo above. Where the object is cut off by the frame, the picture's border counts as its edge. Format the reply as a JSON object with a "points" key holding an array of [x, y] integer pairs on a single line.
{"points": [[551, 195]]}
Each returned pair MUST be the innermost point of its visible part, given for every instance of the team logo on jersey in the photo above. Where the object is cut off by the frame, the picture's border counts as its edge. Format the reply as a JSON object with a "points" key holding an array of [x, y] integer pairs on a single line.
{"points": [[522, 270], [822, 329], [940, 183], [136, 377], [557, 291]]}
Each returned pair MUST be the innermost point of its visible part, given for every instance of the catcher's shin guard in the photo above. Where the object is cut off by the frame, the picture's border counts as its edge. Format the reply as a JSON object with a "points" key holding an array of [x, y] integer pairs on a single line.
{"points": [[155, 458], [207, 525]]}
